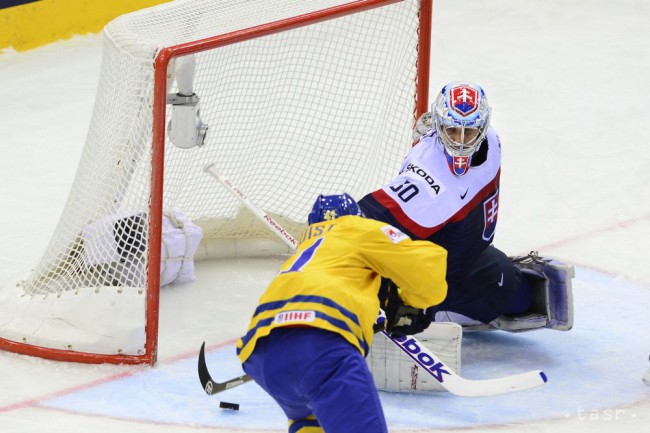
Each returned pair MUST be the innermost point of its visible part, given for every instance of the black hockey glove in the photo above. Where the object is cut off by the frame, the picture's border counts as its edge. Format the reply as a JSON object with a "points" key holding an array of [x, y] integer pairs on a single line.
{"points": [[402, 319]]}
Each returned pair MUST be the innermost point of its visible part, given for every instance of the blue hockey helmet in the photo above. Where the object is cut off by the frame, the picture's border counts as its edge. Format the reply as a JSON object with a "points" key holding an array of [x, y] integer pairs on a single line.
{"points": [[461, 115], [329, 207]]}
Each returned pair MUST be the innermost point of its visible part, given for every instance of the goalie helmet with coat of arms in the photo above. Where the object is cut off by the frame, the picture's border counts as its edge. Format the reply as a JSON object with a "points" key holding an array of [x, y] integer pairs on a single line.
{"points": [[461, 115]]}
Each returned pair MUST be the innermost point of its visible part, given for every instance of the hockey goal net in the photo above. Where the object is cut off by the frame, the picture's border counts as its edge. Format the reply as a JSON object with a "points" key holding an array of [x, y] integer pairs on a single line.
{"points": [[299, 98]]}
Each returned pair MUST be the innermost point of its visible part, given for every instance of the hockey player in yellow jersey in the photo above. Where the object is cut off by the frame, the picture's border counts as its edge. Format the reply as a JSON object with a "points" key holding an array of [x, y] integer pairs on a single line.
{"points": [[308, 336]]}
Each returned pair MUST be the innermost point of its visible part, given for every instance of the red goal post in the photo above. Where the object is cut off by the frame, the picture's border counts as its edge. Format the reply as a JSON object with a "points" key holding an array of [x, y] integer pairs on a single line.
{"points": [[339, 83]]}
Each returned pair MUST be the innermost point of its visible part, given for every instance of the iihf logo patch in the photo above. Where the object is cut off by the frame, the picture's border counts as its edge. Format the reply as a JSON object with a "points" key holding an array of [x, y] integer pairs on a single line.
{"points": [[295, 316], [490, 214], [463, 100]]}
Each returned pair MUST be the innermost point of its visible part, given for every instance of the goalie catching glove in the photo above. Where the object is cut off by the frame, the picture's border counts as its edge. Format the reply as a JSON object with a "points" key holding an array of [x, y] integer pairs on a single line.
{"points": [[401, 319]]}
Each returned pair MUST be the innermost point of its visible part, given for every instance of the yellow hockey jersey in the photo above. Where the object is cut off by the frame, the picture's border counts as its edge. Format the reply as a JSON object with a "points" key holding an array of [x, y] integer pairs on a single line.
{"points": [[333, 279]]}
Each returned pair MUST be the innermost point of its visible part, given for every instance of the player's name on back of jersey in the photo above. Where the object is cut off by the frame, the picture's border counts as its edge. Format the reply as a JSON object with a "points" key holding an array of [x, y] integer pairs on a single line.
{"points": [[315, 230]]}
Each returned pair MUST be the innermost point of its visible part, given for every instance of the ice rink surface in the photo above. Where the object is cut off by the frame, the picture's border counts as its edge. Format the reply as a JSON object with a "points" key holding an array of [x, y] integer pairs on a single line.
{"points": [[568, 83]]}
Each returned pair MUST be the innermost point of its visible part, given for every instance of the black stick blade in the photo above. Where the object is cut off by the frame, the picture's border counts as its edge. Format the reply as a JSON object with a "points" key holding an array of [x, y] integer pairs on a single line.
{"points": [[204, 374], [209, 385]]}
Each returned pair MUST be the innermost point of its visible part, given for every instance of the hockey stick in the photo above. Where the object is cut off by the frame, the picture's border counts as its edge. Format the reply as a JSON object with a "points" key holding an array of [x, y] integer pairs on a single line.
{"points": [[458, 385], [209, 385], [269, 222]]}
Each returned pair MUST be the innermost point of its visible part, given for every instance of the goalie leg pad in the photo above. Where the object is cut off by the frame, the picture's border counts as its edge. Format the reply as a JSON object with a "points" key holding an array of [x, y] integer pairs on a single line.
{"points": [[392, 370], [552, 304]]}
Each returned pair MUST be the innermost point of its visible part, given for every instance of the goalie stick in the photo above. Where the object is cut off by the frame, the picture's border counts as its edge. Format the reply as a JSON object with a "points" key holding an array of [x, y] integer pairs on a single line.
{"points": [[458, 385], [265, 218]]}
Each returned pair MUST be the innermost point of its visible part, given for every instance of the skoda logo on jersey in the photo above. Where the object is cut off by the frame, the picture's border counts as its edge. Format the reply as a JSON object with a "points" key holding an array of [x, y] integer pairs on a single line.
{"points": [[490, 214], [424, 175], [463, 100]]}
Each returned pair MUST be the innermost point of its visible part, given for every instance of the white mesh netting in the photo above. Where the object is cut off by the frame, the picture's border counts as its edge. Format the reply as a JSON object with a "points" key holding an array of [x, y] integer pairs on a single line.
{"points": [[323, 108]]}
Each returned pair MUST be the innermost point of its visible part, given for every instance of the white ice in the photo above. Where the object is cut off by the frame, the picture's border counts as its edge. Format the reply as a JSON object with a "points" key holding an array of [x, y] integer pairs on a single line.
{"points": [[568, 81]]}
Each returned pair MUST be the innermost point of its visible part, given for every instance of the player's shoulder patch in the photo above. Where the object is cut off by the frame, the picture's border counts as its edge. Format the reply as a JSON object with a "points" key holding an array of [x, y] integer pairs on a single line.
{"points": [[395, 235]]}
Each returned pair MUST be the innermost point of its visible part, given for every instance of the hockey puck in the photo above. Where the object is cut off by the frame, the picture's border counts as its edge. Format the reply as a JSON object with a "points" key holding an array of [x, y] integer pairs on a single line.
{"points": [[226, 405]]}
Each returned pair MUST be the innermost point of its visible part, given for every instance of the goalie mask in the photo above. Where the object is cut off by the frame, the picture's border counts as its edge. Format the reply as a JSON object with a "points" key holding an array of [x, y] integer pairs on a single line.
{"points": [[461, 115], [329, 207]]}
